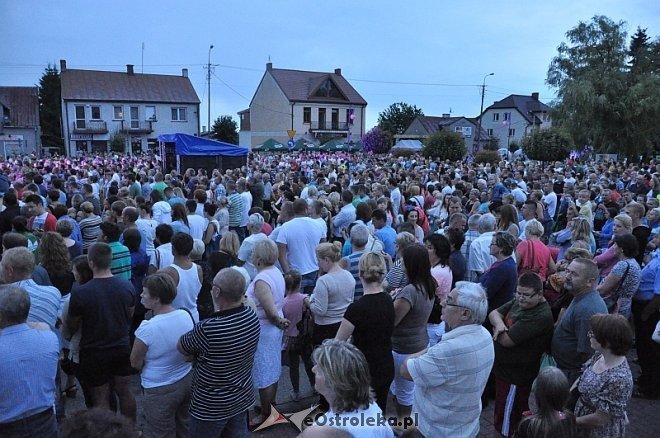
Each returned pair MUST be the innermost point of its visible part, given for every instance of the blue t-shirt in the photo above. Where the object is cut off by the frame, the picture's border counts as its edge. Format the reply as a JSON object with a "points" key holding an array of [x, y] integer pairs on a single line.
{"points": [[387, 235]]}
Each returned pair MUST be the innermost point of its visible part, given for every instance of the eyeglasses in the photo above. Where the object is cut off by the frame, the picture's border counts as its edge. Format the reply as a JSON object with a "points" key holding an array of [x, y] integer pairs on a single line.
{"points": [[525, 296], [446, 303]]}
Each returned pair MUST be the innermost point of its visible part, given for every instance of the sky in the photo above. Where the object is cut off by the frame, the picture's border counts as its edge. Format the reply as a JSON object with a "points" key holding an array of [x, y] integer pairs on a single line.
{"points": [[432, 54]]}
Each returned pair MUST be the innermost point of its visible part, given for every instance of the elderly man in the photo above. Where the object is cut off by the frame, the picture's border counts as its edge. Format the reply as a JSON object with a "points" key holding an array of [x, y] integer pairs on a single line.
{"points": [[16, 268], [571, 343], [522, 329], [450, 377], [28, 369], [344, 217], [480, 258], [224, 346], [470, 236]]}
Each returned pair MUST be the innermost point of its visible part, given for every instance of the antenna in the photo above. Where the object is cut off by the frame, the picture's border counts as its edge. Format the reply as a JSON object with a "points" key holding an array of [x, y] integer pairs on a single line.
{"points": [[143, 57]]}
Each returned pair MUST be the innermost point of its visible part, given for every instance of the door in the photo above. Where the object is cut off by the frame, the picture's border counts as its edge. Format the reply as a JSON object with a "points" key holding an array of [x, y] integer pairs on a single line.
{"points": [[321, 118], [335, 118]]}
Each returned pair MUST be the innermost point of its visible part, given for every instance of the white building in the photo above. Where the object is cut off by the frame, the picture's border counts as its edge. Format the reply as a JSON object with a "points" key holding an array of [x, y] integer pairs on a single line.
{"points": [[514, 117], [317, 106], [125, 112]]}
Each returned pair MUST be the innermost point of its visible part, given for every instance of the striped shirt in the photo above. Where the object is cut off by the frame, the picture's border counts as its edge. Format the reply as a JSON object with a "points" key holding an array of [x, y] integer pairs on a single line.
{"points": [[396, 277], [353, 261], [90, 229], [45, 302], [224, 345], [121, 261], [470, 235], [235, 207]]}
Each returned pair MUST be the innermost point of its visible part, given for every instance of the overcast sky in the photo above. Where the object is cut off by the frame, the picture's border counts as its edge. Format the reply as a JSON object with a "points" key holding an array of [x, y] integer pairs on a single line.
{"points": [[432, 54]]}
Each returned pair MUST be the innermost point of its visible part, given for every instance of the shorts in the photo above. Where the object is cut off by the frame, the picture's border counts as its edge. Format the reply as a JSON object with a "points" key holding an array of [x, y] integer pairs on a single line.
{"points": [[402, 389], [98, 367]]}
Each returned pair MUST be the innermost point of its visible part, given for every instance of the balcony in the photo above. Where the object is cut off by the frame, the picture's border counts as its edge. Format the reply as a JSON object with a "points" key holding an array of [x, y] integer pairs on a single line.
{"points": [[90, 127], [136, 127], [329, 126]]}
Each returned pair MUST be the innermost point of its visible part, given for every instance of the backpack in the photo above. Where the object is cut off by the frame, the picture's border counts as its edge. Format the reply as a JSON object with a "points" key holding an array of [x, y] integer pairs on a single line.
{"points": [[4, 183]]}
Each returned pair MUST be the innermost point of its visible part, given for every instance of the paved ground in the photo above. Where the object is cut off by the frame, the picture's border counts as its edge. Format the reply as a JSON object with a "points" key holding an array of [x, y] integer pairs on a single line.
{"points": [[644, 415]]}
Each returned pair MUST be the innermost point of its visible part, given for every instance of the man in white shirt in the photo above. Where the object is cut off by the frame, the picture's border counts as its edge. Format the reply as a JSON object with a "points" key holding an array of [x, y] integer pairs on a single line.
{"points": [[344, 217], [395, 195], [241, 188], [196, 223], [480, 258], [550, 199], [450, 377]]}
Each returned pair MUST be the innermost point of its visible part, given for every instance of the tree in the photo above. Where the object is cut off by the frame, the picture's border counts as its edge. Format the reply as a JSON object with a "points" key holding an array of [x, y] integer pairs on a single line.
{"points": [[396, 118], [445, 145], [376, 141], [225, 129], [600, 103], [50, 107], [117, 142], [550, 144]]}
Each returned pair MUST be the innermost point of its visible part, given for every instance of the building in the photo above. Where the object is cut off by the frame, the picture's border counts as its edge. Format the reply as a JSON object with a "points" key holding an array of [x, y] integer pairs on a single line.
{"points": [[317, 106], [19, 128], [423, 126], [124, 111], [514, 117]]}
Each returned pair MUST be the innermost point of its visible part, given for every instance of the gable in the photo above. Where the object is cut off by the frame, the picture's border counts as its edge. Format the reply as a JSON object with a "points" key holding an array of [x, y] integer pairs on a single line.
{"points": [[327, 89]]}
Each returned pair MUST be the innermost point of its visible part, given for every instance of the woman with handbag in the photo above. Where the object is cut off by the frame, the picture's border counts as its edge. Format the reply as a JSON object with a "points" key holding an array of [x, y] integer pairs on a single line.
{"points": [[371, 322], [618, 288], [606, 383]]}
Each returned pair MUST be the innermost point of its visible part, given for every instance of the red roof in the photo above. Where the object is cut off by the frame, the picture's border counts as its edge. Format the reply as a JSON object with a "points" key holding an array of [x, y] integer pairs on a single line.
{"points": [[22, 104], [120, 86], [300, 86]]}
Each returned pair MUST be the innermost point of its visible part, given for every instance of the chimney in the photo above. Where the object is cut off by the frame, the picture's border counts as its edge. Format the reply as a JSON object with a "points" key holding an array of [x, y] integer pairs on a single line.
{"points": [[338, 71], [446, 115], [129, 69], [184, 72], [535, 96], [62, 65], [269, 66]]}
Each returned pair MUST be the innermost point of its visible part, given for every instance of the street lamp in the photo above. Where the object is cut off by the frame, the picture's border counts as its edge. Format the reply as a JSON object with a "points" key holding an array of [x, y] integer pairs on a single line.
{"points": [[483, 89], [208, 79]]}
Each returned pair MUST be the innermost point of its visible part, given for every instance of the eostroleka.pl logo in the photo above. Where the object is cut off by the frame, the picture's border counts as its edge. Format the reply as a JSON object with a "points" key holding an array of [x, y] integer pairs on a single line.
{"points": [[300, 418]]}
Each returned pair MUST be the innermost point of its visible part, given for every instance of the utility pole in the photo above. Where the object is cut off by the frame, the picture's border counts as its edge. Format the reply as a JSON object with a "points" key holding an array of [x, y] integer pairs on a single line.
{"points": [[481, 111], [208, 80]]}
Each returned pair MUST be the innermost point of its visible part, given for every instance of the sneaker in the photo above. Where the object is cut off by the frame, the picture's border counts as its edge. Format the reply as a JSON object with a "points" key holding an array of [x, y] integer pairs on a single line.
{"points": [[295, 395]]}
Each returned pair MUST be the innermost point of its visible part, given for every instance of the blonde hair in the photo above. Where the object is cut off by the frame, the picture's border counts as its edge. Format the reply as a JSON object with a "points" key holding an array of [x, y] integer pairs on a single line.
{"points": [[404, 239], [625, 220], [265, 252], [372, 267], [329, 251], [230, 243], [534, 228]]}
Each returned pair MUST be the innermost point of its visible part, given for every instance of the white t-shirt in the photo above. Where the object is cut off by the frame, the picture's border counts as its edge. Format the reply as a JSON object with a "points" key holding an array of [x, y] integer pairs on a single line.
{"points": [[551, 201], [197, 225], [247, 205], [147, 228], [301, 235], [162, 256], [357, 422], [162, 212], [163, 364], [245, 252]]}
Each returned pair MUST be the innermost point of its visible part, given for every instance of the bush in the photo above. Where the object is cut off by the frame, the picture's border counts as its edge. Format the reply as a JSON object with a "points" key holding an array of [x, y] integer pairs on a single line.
{"points": [[487, 157], [493, 144], [552, 144], [445, 145]]}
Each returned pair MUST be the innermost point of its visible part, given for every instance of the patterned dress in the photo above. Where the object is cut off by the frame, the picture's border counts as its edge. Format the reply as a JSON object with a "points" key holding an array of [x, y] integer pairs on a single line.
{"points": [[608, 392]]}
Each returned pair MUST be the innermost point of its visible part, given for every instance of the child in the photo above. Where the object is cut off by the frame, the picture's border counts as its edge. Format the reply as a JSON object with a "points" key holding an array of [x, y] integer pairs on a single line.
{"points": [[296, 344]]}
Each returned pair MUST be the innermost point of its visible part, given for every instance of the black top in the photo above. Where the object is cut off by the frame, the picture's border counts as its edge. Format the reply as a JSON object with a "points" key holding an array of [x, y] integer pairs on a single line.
{"points": [[373, 318]]}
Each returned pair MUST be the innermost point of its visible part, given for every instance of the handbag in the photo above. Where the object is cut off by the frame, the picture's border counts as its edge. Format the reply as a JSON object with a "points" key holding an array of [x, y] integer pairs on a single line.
{"points": [[612, 300]]}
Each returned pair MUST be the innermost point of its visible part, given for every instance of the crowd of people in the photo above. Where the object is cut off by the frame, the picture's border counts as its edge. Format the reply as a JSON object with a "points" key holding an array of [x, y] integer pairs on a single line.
{"points": [[406, 286]]}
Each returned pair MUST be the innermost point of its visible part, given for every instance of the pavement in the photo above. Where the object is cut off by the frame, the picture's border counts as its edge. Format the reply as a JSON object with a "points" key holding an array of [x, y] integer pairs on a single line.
{"points": [[644, 415]]}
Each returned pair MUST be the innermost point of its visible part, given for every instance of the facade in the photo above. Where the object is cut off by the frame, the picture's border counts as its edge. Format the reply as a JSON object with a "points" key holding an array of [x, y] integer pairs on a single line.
{"points": [[124, 112], [317, 106], [423, 126], [514, 117], [20, 131]]}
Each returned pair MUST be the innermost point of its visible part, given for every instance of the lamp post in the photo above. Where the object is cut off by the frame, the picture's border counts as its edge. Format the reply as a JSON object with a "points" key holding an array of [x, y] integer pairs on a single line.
{"points": [[481, 111], [208, 79]]}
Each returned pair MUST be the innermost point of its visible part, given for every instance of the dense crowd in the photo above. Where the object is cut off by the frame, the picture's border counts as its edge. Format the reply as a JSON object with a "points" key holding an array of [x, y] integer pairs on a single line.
{"points": [[405, 286]]}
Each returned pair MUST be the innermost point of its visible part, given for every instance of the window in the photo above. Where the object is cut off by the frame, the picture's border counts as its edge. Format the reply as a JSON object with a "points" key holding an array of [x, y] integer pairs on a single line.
{"points": [[328, 89], [150, 112], [458, 129], [496, 117], [321, 118], [307, 114], [489, 131], [507, 116], [80, 117], [96, 113], [118, 112], [179, 115], [335, 118], [350, 116], [512, 132], [135, 117]]}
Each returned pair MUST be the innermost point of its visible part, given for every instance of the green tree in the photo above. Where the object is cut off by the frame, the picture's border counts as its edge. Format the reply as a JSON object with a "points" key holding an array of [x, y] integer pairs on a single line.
{"points": [[225, 129], [117, 142], [396, 118], [445, 145], [548, 144], [50, 107], [600, 103]]}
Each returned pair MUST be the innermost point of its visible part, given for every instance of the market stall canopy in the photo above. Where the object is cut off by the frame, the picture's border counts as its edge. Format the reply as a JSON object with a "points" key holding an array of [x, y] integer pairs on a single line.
{"points": [[186, 144], [269, 146], [340, 145], [302, 144], [414, 145]]}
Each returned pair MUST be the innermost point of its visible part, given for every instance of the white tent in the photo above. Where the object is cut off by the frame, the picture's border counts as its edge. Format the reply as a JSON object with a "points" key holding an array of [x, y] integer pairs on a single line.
{"points": [[414, 145]]}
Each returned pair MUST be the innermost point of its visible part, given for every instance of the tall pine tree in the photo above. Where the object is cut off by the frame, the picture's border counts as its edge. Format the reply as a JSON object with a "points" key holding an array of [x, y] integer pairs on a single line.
{"points": [[50, 109]]}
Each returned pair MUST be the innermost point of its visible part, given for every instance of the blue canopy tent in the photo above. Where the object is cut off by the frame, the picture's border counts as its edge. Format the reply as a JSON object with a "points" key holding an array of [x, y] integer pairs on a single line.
{"points": [[179, 151]]}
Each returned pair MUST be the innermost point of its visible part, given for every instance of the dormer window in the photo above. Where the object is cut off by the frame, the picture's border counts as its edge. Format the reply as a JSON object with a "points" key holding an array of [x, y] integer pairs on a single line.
{"points": [[328, 89]]}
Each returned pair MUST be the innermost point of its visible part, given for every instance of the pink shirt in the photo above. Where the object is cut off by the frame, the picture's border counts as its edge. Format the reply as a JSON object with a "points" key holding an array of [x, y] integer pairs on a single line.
{"points": [[292, 309]]}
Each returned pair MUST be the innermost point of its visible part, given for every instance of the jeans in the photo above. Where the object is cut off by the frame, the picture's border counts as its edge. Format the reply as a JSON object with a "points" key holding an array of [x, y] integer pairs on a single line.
{"points": [[234, 427], [308, 282], [294, 367], [41, 425]]}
